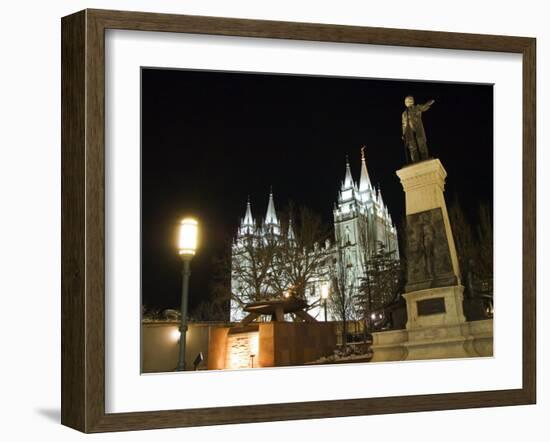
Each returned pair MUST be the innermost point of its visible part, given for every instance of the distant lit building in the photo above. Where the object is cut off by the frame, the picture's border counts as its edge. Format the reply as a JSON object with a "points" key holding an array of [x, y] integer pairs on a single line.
{"points": [[361, 224]]}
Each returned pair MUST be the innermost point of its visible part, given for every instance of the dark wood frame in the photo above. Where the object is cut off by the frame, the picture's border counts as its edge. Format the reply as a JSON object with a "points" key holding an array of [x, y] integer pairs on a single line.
{"points": [[83, 216]]}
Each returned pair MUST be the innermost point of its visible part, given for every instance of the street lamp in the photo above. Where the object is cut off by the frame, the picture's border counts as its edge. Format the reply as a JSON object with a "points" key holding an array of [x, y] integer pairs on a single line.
{"points": [[325, 289], [187, 245]]}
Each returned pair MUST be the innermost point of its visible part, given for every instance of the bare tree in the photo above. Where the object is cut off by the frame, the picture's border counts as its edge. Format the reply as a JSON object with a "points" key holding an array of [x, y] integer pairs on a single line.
{"points": [[474, 246], [484, 233], [252, 265], [341, 302], [299, 259], [245, 273], [380, 284], [463, 236], [267, 265]]}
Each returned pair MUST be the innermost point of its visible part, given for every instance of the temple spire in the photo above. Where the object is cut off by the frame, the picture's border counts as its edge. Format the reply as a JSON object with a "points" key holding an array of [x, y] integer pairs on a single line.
{"points": [[290, 233], [348, 180], [364, 183], [271, 216], [248, 220], [379, 198]]}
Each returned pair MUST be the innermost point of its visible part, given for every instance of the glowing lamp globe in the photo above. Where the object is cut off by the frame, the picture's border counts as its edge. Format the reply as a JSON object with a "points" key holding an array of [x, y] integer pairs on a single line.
{"points": [[324, 291], [189, 229]]}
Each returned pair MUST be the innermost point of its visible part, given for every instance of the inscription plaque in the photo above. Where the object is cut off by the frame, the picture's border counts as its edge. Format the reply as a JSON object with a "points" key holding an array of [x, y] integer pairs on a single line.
{"points": [[432, 306]]}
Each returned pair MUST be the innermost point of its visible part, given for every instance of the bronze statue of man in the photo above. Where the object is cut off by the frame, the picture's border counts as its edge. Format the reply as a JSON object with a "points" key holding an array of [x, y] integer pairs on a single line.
{"points": [[413, 134]]}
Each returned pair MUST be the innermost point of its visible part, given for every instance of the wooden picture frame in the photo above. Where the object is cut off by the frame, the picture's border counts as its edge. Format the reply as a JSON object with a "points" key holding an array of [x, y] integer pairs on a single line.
{"points": [[83, 220]]}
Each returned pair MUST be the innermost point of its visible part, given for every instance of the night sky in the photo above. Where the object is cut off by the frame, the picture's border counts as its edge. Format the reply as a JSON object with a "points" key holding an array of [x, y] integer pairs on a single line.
{"points": [[210, 139]]}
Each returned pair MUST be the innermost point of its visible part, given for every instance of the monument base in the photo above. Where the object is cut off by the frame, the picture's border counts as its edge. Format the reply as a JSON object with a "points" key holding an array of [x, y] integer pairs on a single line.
{"points": [[435, 307], [436, 329]]}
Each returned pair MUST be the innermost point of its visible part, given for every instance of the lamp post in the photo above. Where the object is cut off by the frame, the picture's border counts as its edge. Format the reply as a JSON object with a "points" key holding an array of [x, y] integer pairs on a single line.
{"points": [[187, 245], [324, 296]]}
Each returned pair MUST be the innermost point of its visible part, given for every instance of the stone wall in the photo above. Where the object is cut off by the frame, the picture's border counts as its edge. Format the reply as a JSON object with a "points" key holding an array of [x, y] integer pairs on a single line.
{"points": [[295, 343], [160, 345], [273, 344], [217, 343]]}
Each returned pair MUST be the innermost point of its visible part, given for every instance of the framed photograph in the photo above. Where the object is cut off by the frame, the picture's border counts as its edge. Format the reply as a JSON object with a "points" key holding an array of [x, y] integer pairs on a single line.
{"points": [[267, 221]]}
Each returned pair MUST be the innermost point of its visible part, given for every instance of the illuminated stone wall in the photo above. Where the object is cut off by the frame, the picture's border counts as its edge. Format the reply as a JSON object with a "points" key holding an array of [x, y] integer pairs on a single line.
{"points": [[273, 344], [160, 345], [242, 350], [224, 347]]}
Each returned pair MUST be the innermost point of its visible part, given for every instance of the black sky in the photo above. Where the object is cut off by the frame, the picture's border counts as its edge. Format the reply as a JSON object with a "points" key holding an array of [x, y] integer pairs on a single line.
{"points": [[210, 139]]}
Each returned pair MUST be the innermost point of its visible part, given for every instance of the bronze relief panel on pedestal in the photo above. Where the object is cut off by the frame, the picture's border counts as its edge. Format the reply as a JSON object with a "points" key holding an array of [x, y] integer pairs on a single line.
{"points": [[428, 255]]}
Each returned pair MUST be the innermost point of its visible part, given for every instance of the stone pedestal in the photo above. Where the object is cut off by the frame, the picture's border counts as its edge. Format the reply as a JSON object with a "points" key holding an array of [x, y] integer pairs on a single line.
{"points": [[436, 307], [436, 327], [431, 253], [436, 324]]}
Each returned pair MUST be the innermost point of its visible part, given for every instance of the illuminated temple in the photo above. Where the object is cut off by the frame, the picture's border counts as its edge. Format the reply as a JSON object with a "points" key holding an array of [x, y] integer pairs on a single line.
{"points": [[362, 224]]}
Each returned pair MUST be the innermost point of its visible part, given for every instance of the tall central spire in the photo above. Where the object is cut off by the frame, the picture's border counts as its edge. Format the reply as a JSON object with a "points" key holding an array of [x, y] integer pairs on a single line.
{"points": [[364, 182]]}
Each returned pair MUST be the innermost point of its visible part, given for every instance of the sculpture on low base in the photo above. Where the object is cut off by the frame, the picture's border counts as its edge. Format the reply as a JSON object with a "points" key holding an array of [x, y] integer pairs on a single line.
{"points": [[436, 327]]}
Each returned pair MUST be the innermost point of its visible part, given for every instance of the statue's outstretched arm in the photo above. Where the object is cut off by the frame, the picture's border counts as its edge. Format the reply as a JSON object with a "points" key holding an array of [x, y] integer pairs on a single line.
{"points": [[424, 107]]}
